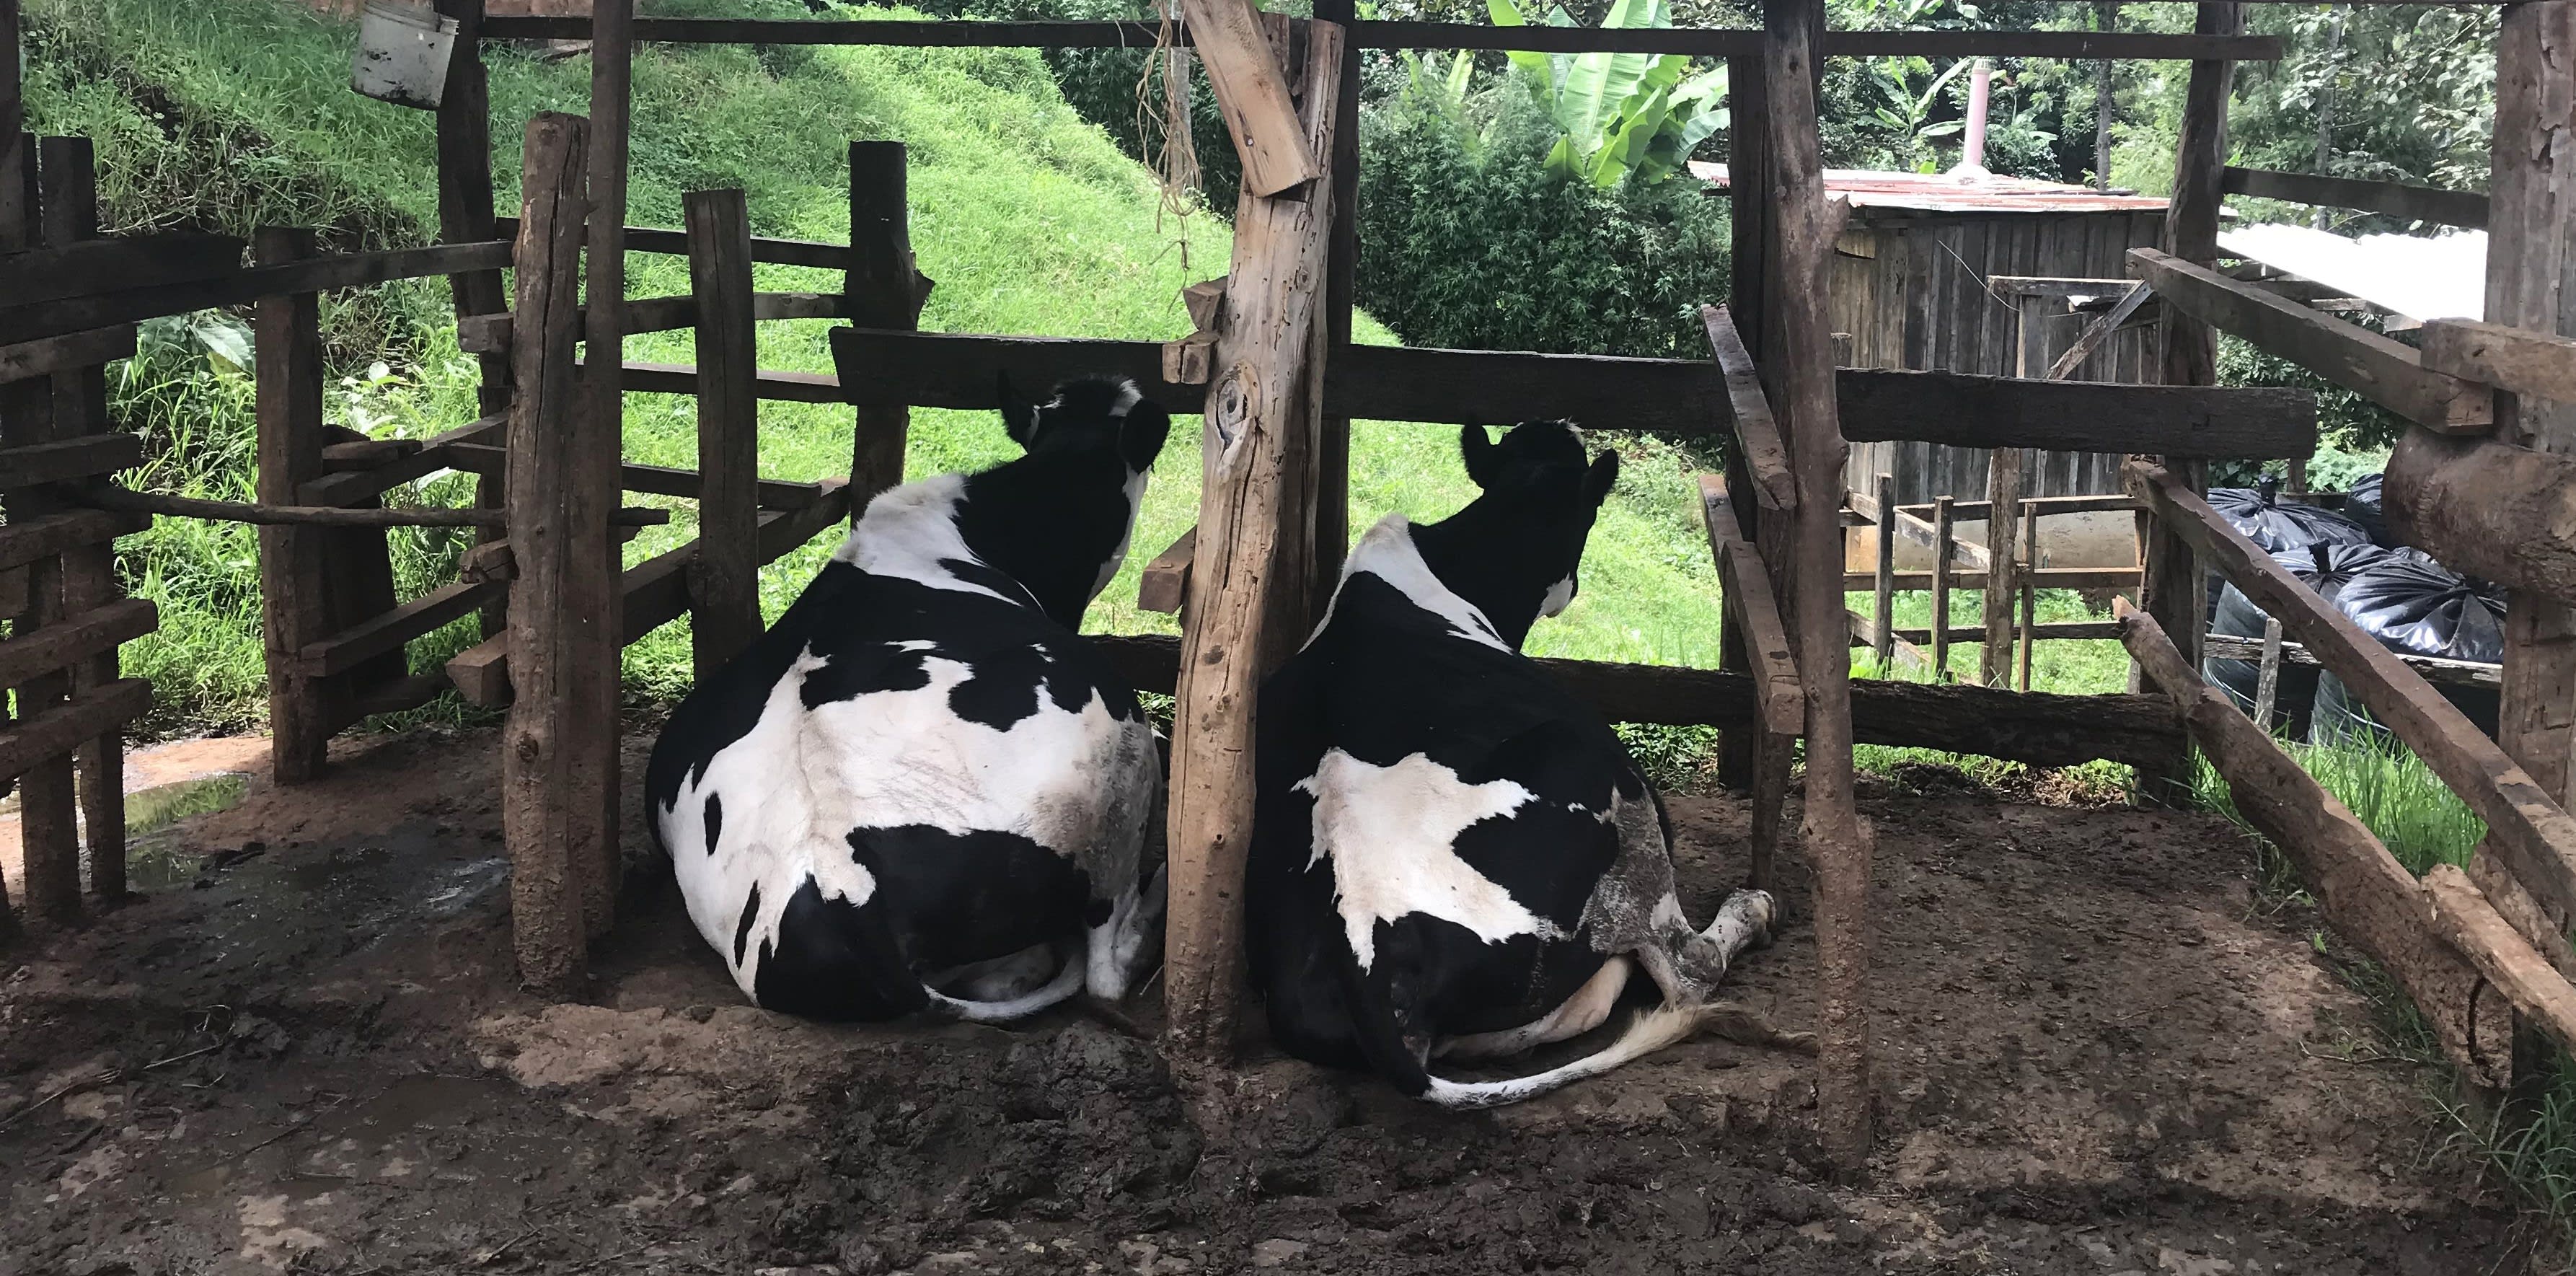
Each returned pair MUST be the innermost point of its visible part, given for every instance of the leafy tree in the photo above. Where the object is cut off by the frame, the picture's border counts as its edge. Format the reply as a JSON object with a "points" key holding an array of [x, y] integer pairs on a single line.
{"points": [[1619, 115]]}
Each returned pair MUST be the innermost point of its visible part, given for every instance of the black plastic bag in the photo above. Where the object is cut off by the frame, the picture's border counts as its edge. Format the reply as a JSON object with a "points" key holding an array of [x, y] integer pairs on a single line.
{"points": [[2413, 604], [2275, 526], [2325, 568], [2362, 504]]}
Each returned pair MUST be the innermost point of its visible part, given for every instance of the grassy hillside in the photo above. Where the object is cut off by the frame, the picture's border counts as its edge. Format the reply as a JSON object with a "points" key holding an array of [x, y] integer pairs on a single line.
{"points": [[236, 115]]}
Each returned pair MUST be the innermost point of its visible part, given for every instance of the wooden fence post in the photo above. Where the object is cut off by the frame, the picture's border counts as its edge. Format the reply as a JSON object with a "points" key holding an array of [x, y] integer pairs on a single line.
{"points": [[2029, 592], [1945, 548], [1265, 409], [2003, 511], [591, 488], [2173, 589], [724, 581], [288, 346], [1883, 586], [548, 795], [885, 291], [1333, 459], [1837, 841], [17, 231], [465, 216], [69, 166], [1748, 213]]}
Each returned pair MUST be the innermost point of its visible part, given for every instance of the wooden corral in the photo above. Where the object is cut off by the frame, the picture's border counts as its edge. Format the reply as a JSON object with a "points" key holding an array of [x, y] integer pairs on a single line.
{"points": [[1273, 372]]}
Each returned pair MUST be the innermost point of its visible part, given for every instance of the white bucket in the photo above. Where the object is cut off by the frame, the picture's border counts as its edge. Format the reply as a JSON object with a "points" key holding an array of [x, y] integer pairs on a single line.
{"points": [[402, 53]]}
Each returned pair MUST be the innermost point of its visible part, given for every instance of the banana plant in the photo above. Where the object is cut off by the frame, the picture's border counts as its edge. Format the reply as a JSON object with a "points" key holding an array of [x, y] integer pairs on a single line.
{"points": [[1619, 116]]}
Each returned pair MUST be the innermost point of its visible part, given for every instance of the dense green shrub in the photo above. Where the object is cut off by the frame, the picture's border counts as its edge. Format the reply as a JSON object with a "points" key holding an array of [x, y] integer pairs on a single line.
{"points": [[1469, 244]]}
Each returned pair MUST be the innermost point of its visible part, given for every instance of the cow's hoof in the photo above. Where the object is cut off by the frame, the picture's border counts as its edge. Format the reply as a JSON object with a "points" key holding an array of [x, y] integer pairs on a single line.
{"points": [[1757, 910]]}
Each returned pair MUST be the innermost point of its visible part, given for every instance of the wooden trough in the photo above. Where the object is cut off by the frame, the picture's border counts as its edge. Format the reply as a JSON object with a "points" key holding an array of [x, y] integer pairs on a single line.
{"points": [[1273, 370]]}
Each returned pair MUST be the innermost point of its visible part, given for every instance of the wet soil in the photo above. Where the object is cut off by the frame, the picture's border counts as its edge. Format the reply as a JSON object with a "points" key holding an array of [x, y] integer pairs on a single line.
{"points": [[2097, 1055]]}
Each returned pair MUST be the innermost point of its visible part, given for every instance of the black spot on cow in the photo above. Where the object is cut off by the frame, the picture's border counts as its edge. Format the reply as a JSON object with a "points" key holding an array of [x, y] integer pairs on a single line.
{"points": [[715, 826], [953, 898], [742, 929], [836, 960]]}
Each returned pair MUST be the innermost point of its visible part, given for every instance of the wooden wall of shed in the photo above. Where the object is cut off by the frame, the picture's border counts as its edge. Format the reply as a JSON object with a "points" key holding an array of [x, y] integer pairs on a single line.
{"points": [[1911, 291]]}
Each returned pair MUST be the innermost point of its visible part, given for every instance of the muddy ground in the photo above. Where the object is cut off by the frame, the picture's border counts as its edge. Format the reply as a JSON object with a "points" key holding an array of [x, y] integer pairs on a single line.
{"points": [[2098, 1055]]}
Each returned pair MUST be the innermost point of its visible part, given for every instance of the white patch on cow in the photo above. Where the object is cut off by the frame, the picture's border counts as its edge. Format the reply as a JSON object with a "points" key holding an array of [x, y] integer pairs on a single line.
{"points": [[1387, 552], [1135, 502], [1392, 835], [1559, 597], [1079, 784], [908, 530], [1128, 397]]}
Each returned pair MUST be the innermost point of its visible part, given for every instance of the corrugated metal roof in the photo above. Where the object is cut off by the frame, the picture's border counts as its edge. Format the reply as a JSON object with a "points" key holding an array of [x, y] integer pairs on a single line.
{"points": [[2440, 277], [1943, 193]]}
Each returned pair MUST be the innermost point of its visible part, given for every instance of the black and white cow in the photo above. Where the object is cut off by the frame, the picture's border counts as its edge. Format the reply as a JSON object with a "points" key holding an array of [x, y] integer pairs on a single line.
{"points": [[1451, 856], [921, 790]]}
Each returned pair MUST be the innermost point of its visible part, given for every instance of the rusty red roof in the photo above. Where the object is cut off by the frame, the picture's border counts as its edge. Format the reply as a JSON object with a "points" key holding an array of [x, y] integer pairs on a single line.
{"points": [[1943, 193]]}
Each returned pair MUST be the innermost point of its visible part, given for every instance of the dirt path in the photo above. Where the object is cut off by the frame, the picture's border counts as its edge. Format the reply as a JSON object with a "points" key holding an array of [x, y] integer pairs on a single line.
{"points": [[2097, 1058]]}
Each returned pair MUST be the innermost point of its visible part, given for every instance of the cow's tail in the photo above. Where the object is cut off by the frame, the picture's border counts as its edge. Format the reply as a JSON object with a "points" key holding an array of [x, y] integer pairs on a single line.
{"points": [[1382, 1041], [1066, 983]]}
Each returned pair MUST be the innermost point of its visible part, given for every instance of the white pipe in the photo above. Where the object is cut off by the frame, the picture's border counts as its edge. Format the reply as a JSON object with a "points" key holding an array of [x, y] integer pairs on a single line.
{"points": [[1972, 154]]}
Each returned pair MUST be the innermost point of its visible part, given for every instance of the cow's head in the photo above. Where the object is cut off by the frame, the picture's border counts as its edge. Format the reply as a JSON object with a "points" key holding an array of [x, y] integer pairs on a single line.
{"points": [[1058, 518], [1513, 551]]}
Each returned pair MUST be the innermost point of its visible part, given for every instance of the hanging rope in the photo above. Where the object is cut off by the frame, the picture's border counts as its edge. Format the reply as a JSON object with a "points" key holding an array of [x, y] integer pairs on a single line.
{"points": [[1163, 126]]}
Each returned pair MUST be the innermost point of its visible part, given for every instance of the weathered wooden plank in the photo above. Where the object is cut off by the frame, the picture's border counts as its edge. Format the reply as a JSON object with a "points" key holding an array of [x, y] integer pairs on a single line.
{"points": [[490, 334], [2364, 893], [364, 485], [288, 340], [1252, 93], [1746, 586], [63, 460], [55, 732], [2499, 952], [2396, 199], [2389, 374], [1961, 410], [1766, 457], [1945, 555], [1165, 582], [1882, 585], [724, 582], [885, 289], [2048, 578], [75, 638], [2003, 489], [2464, 673], [660, 480], [2489, 509], [366, 454], [810, 253], [66, 352], [2524, 823], [388, 631], [2089, 629], [112, 265], [22, 323], [682, 378], [2045, 506], [2098, 331], [2525, 362], [24, 542]]}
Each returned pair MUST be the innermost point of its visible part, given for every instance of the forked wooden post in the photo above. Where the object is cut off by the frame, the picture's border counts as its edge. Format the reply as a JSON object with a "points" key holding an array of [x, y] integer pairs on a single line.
{"points": [[1264, 412], [885, 291], [1882, 616], [724, 581], [2003, 511], [291, 586], [550, 792], [1945, 549], [69, 193], [2173, 590], [1837, 841]]}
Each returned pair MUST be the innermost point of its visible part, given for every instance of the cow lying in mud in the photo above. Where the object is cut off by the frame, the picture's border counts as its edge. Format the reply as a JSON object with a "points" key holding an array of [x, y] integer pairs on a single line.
{"points": [[1451, 856], [921, 790]]}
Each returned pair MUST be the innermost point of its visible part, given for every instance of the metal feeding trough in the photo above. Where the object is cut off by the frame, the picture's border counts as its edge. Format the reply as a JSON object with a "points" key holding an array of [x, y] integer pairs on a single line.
{"points": [[402, 53]]}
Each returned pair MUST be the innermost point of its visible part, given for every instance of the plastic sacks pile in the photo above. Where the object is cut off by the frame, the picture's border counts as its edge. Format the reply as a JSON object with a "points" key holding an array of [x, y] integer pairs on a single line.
{"points": [[2396, 593]]}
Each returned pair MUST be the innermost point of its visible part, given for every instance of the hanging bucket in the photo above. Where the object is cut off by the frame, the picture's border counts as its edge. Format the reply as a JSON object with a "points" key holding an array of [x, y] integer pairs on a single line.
{"points": [[402, 53]]}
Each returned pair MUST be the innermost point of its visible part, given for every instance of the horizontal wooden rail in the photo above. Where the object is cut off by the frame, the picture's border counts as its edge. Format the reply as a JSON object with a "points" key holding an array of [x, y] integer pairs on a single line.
{"points": [[1746, 585], [2047, 506], [656, 592], [2054, 630], [1757, 432], [66, 459], [1922, 532], [2396, 199], [20, 323], [397, 696], [366, 485], [367, 454], [64, 353], [2045, 578], [26, 541], [675, 243], [1165, 583], [2527, 829], [490, 334], [60, 645], [1670, 396], [1864, 633], [2534, 363], [117, 498], [2038, 728], [2499, 951], [70, 724], [1697, 42], [2464, 673], [2387, 372], [111, 265], [776, 494], [389, 631], [2363, 892], [682, 378]]}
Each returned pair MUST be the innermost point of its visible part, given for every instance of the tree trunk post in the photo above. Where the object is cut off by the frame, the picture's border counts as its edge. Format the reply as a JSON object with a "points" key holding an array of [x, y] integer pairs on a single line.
{"points": [[724, 582], [289, 357], [885, 291]]}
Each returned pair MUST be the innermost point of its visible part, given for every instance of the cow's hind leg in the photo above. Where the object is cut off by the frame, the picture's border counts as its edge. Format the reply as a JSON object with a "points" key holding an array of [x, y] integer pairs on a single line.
{"points": [[1120, 948], [1066, 983], [1688, 965]]}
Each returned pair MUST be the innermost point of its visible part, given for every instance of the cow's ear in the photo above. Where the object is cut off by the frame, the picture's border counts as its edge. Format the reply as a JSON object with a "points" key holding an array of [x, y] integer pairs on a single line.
{"points": [[1598, 480], [1141, 434], [1019, 412], [1477, 447]]}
